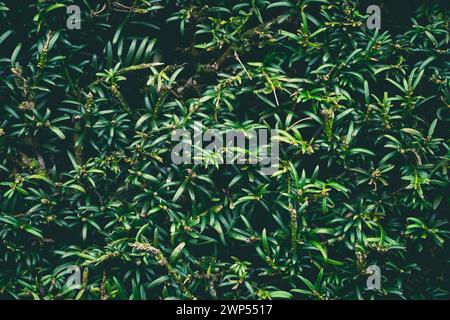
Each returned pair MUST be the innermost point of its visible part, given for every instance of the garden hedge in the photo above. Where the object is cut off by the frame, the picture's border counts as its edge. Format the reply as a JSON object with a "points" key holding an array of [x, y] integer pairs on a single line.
{"points": [[88, 188]]}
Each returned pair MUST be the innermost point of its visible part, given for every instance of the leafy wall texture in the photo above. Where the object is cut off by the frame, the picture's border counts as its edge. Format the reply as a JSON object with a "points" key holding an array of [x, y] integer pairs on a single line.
{"points": [[92, 205]]}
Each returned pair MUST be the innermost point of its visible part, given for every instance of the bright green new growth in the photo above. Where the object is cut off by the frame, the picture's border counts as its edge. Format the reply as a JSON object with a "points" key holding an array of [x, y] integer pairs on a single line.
{"points": [[86, 176]]}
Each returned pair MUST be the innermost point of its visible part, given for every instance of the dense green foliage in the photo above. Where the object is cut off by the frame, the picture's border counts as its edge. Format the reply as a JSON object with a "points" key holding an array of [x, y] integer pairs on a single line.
{"points": [[86, 177]]}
